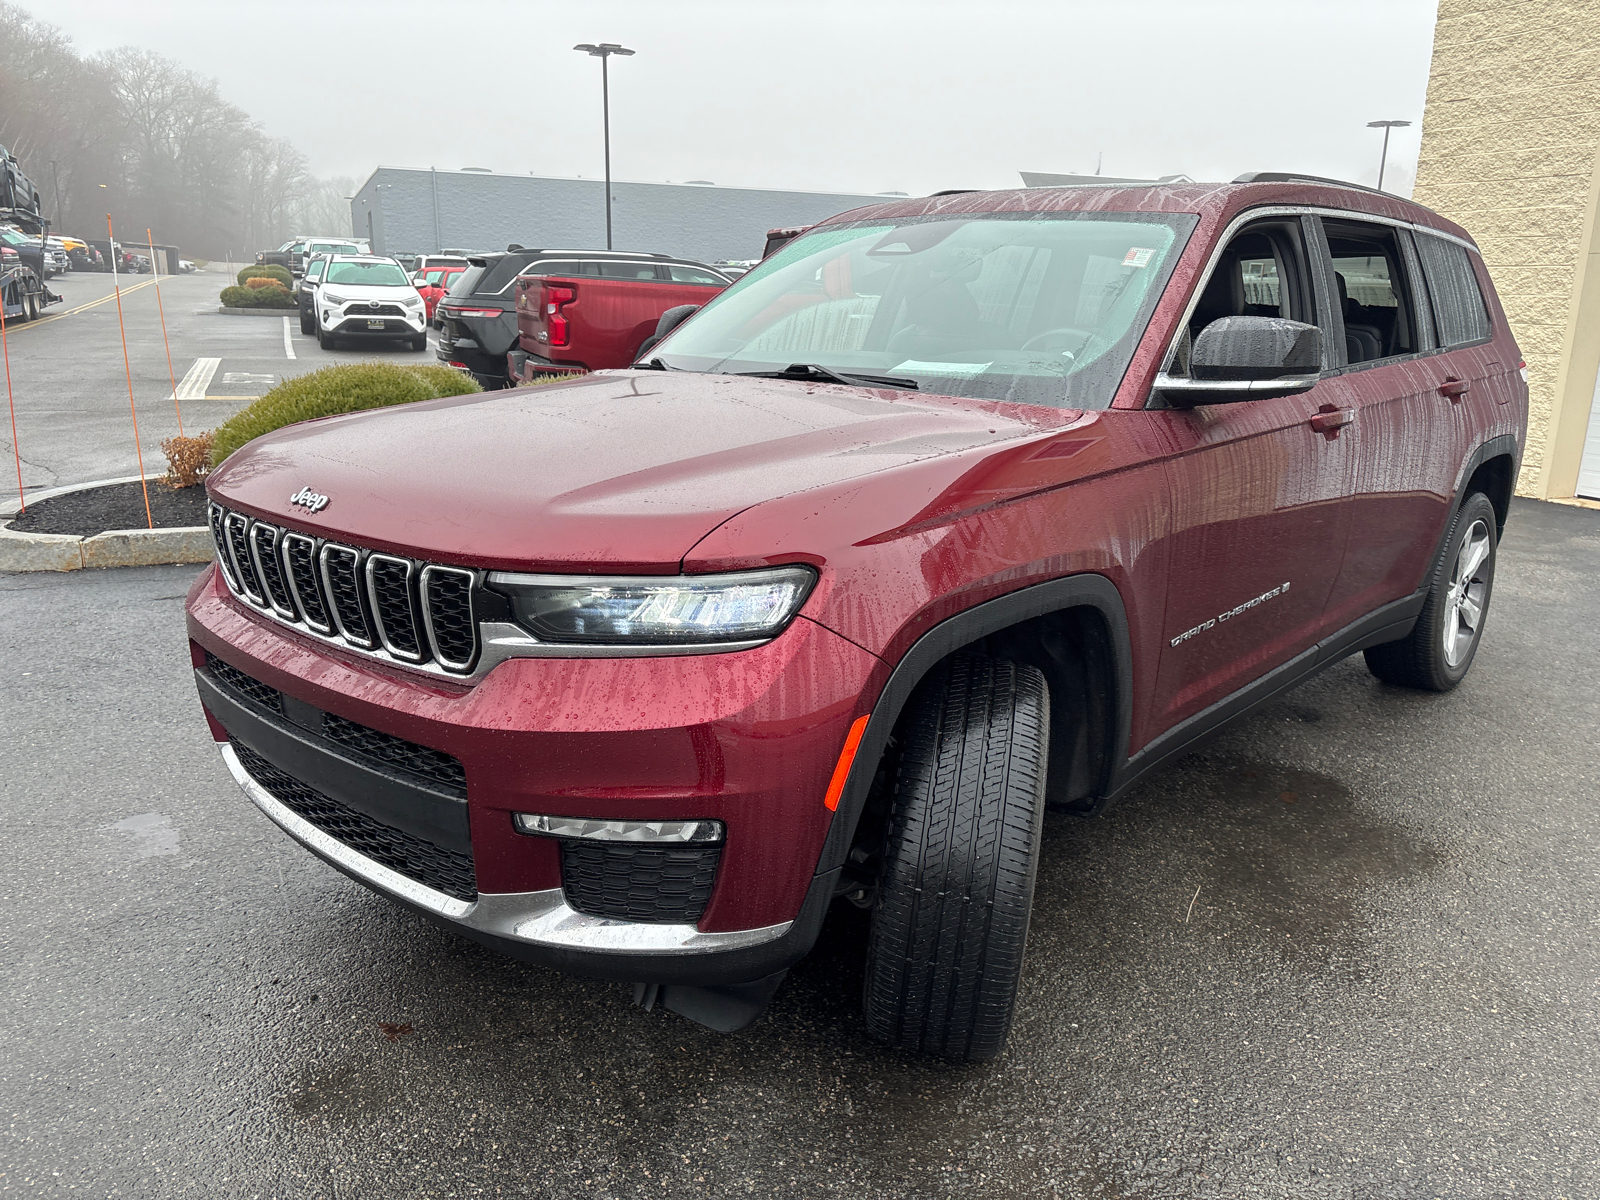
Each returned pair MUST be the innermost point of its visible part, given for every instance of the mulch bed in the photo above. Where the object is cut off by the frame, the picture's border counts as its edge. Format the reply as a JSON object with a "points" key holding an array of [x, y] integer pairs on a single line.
{"points": [[119, 506]]}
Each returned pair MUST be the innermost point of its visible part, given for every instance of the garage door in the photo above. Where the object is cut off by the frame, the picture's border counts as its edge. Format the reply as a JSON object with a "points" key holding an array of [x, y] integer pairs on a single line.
{"points": [[1589, 469]]}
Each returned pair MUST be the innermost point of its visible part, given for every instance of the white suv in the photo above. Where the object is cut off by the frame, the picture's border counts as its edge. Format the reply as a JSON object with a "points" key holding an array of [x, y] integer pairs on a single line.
{"points": [[364, 296]]}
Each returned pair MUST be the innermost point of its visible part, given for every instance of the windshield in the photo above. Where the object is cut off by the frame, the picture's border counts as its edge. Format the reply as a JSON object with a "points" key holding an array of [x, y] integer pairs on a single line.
{"points": [[332, 248], [368, 274], [1034, 308]]}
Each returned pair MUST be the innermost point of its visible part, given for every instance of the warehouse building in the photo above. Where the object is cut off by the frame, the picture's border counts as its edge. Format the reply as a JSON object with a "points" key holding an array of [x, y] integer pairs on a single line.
{"points": [[1511, 150], [403, 210]]}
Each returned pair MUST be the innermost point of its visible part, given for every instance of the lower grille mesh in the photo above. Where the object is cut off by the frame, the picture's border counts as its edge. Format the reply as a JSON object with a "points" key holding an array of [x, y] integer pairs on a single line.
{"points": [[433, 765], [433, 866], [633, 883], [252, 689]]}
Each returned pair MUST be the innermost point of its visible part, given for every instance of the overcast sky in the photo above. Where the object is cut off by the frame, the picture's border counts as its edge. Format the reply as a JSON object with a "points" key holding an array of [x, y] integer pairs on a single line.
{"points": [[868, 96]]}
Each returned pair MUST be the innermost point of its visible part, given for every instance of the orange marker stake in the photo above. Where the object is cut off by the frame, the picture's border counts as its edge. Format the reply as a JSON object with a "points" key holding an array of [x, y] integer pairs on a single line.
{"points": [[16, 450], [127, 368], [155, 265]]}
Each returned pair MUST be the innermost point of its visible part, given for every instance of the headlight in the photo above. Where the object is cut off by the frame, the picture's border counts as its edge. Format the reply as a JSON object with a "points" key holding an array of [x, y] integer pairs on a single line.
{"points": [[414, 301], [656, 610], [329, 298]]}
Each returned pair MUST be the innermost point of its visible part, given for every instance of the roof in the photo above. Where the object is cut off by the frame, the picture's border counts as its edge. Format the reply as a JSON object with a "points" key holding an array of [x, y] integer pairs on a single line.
{"points": [[1213, 202]]}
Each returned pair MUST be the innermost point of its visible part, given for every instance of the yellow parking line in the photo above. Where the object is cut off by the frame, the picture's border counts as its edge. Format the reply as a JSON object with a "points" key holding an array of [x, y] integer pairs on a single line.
{"points": [[13, 329]]}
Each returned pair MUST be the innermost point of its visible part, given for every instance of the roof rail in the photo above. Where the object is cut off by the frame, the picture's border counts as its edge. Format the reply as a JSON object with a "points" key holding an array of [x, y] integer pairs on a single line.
{"points": [[1297, 177], [953, 192]]}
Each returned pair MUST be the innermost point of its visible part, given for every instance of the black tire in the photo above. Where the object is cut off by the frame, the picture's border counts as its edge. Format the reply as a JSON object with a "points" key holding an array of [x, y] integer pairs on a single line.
{"points": [[944, 955], [308, 323], [419, 342], [325, 339], [1438, 652]]}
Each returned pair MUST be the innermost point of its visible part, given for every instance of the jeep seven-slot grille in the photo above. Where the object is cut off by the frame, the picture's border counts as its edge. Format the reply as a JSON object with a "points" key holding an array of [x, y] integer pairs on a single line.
{"points": [[400, 609], [637, 883], [443, 870]]}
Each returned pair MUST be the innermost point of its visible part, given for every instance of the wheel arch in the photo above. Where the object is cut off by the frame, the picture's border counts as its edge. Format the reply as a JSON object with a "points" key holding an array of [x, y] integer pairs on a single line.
{"points": [[1076, 631]]}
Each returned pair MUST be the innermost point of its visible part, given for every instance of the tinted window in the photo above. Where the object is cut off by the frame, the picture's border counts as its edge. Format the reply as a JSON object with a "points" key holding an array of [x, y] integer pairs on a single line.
{"points": [[499, 273], [694, 275], [1369, 273], [1453, 286], [466, 283]]}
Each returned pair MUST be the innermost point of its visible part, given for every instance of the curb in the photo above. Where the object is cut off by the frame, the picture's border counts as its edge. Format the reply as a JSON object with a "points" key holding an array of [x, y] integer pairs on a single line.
{"points": [[114, 548], [255, 312]]}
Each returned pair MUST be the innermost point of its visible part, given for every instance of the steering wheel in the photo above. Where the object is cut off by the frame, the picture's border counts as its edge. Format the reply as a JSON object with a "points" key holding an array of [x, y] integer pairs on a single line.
{"points": [[1051, 339]]}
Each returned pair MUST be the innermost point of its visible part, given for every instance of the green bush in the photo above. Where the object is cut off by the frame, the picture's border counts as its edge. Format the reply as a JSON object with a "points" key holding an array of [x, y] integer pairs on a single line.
{"points": [[271, 271], [334, 390], [263, 297]]}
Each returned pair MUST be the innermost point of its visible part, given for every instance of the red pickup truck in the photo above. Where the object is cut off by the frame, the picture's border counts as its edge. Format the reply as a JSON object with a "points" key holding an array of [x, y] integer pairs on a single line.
{"points": [[592, 315]]}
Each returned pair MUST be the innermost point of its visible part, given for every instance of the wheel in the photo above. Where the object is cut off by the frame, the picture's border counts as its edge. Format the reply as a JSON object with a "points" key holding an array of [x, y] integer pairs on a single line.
{"points": [[308, 323], [1437, 653], [324, 338], [420, 342], [944, 954]]}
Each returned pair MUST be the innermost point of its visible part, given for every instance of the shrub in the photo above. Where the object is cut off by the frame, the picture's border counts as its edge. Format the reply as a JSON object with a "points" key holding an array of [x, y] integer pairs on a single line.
{"points": [[270, 271], [188, 459], [333, 390], [266, 297]]}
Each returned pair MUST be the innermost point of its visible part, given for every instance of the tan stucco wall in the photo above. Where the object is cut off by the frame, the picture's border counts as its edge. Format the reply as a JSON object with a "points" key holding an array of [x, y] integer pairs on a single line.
{"points": [[1511, 151]]}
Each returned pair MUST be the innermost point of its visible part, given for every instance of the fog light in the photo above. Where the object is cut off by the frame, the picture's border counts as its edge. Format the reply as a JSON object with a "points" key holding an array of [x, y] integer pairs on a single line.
{"points": [[700, 832]]}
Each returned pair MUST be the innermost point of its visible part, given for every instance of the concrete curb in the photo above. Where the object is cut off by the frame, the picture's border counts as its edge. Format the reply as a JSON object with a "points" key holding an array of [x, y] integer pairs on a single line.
{"points": [[113, 548], [255, 312]]}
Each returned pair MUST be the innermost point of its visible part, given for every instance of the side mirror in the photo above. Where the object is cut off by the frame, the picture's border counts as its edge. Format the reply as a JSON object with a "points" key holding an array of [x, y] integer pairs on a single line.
{"points": [[674, 317], [1240, 358]]}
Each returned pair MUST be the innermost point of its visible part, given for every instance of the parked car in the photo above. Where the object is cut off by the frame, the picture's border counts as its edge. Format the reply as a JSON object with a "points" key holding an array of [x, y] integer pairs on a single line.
{"points": [[587, 314], [478, 318], [186, 267], [952, 510], [433, 284], [424, 261], [16, 189], [312, 246], [364, 297], [305, 291], [283, 256], [30, 252]]}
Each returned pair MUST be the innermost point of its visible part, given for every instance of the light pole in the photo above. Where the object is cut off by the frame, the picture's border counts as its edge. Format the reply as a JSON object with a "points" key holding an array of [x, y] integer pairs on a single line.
{"points": [[1384, 160], [603, 52]]}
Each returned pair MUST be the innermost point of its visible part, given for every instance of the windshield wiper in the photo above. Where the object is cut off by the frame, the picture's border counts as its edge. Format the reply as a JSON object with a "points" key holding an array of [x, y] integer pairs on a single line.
{"points": [[655, 364], [813, 371]]}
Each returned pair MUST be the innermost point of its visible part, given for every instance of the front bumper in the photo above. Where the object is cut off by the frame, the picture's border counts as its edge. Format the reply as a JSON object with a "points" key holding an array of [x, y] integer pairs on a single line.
{"points": [[358, 325], [748, 738]]}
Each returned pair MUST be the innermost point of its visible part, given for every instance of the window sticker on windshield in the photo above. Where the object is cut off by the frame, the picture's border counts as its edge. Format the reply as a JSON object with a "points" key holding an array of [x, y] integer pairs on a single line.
{"points": [[953, 370], [1137, 257]]}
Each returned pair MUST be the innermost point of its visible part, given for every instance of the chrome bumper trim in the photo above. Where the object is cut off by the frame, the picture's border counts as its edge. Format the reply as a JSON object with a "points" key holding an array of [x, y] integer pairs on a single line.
{"points": [[538, 918]]}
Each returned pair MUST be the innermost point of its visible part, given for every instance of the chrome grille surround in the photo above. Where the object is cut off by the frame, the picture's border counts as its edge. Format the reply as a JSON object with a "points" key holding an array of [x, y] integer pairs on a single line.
{"points": [[328, 594], [434, 585]]}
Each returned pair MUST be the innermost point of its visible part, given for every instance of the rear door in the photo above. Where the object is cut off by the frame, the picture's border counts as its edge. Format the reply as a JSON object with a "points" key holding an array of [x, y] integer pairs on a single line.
{"points": [[1257, 497]]}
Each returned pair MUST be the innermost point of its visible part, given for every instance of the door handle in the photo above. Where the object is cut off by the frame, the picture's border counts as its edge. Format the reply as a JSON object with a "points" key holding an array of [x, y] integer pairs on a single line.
{"points": [[1331, 419], [1454, 388]]}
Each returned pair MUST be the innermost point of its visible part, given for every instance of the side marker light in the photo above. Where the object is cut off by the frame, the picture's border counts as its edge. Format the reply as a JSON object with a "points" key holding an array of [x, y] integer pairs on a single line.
{"points": [[847, 756]]}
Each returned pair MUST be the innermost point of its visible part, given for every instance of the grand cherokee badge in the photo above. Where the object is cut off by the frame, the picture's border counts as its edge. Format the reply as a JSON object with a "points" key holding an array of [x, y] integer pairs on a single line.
{"points": [[309, 500]]}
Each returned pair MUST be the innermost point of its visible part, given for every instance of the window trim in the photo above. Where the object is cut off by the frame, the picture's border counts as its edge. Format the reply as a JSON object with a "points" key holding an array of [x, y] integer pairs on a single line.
{"points": [[1418, 312]]}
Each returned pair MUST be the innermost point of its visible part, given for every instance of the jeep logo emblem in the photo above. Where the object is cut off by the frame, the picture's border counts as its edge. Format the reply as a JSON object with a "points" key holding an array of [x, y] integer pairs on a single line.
{"points": [[309, 500]]}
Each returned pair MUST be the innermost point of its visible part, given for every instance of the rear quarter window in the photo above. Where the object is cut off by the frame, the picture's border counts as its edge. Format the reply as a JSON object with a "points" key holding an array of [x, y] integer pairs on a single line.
{"points": [[1458, 302]]}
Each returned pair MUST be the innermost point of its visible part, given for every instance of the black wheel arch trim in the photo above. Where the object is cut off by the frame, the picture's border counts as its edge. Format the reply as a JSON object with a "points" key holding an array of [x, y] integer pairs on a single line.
{"points": [[1086, 590]]}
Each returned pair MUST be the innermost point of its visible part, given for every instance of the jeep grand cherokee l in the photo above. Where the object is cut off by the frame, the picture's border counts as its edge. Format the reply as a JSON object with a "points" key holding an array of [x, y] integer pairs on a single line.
{"points": [[952, 510]]}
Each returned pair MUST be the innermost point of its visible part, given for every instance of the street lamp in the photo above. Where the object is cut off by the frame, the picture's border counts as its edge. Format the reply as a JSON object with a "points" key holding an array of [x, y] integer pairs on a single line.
{"points": [[1385, 126], [603, 52]]}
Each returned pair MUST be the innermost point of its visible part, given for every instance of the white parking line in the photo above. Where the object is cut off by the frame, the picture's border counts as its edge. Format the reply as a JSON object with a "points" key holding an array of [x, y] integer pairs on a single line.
{"points": [[198, 378], [288, 346]]}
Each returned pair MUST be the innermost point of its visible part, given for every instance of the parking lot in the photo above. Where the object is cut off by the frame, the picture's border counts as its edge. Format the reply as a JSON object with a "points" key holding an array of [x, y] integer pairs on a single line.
{"points": [[1346, 951], [70, 384]]}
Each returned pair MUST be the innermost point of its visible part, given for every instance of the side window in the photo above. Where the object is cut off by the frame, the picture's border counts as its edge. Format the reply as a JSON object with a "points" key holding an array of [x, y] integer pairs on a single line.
{"points": [[1453, 287], [1262, 272], [1369, 274], [693, 275]]}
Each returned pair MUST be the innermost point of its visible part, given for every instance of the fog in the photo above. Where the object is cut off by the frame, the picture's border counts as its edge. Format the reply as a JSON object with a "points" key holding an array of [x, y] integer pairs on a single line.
{"points": [[875, 95]]}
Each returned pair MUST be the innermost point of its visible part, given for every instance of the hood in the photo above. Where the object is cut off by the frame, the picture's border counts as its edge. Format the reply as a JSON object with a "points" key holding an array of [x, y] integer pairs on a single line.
{"points": [[619, 471]]}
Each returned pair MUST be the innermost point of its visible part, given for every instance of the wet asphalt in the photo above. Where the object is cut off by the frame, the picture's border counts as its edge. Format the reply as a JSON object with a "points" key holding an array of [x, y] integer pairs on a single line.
{"points": [[1348, 950]]}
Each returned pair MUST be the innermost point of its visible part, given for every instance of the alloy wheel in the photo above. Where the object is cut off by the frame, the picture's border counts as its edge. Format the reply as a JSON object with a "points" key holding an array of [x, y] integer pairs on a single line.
{"points": [[1469, 584]]}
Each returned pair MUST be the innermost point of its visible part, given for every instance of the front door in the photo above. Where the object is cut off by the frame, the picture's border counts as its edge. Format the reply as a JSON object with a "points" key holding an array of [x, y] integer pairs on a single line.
{"points": [[1258, 513]]}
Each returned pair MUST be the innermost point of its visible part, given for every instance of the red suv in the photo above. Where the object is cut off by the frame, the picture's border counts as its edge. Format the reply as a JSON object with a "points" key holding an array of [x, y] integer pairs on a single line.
{"points": [[951, 511]]}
